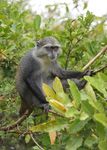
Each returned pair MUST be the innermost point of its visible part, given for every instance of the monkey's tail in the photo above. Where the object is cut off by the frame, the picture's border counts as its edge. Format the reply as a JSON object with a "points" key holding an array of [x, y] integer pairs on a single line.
{"points": [[18, 122]]}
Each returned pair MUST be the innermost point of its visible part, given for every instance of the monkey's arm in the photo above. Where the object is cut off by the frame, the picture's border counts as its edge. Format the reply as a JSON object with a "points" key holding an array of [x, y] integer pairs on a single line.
{"points": [[80, 83], [36, 87], [68, 74]]}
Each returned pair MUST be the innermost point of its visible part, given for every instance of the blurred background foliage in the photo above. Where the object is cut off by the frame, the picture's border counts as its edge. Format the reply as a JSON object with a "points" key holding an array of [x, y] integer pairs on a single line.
{"points": [[20, 28]]}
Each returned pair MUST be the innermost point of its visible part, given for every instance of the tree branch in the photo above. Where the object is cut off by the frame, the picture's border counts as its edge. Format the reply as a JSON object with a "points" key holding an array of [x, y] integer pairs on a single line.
{"points": [[31, 135], [21, 119], [101, 69], [15, 124], [103, 50]]}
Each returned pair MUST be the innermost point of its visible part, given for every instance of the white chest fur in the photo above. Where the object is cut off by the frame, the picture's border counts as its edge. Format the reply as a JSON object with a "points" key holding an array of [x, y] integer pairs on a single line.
{"points": [[45, 67]]}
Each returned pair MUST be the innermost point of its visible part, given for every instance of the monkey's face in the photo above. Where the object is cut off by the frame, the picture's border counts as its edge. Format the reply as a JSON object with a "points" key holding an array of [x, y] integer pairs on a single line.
{"points": [[49, 48], [52, 51], [49, 51]]}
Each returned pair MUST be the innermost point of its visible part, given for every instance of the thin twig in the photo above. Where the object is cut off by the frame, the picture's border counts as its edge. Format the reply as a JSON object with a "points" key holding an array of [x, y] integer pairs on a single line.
{"points": [[21, 119], [103, 50], [99, 70], [31, 135], [15, 124], [19, 132]]}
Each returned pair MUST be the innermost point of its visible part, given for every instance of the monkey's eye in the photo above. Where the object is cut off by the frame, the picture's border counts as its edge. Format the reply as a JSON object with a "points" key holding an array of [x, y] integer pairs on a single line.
{"points": [[47, 48], [56, 48]]}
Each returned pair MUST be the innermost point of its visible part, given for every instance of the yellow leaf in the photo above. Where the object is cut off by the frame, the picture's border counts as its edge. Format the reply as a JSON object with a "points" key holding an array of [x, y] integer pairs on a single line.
{"points": [[48, 91], [57, 85], [63, 98], [57, 105], [27, 138], [52, 136]]}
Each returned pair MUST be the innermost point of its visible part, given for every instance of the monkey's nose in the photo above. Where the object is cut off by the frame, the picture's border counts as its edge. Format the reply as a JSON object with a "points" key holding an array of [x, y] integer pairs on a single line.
{"points": [[53, 58]]}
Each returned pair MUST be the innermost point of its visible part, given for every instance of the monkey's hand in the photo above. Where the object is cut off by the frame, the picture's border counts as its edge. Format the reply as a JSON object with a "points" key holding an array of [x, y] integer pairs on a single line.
{"points": [[45, 107], [88, 73]]}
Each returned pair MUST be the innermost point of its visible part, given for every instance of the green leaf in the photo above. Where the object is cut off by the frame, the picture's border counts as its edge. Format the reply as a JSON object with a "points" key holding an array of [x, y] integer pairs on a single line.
{"points": [[90, 92], [77, 125], [37, 22], [67, 8], [36, 148], [74, 143], [87, 108], [90, 141], [63, 98], [52, 125], [84, 116], [97, 105], [103, 145], [101, 131], [103, 76], [57, 86], [85, 5], [98, 83], [101, 117], [72, 112], [27, 138], [75, 93]]}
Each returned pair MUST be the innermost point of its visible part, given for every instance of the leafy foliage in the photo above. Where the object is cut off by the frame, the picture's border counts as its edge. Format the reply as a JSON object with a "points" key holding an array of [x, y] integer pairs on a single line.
{"points": [[79, 120], [83, 115]]}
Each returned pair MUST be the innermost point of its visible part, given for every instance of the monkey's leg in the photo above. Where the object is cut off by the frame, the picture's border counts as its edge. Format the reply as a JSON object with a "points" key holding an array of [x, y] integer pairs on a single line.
{"points": [[24, 108], [81, 84]]}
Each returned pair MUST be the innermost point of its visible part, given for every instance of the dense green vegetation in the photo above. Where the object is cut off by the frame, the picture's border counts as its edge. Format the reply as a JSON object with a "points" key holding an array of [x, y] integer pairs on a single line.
{"points": [[80, 122]]}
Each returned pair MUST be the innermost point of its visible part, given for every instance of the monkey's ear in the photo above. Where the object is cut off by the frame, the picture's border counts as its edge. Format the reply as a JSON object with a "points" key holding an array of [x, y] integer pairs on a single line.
{"points": [[38, 43]]}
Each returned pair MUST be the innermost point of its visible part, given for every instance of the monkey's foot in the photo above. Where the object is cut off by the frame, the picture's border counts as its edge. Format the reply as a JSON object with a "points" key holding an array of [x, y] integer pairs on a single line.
{"points": [[88, 73], [45, 107]]}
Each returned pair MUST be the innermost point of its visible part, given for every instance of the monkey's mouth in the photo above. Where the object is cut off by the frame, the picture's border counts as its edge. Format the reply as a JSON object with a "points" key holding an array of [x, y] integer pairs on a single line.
{"points": [[52, 58]]}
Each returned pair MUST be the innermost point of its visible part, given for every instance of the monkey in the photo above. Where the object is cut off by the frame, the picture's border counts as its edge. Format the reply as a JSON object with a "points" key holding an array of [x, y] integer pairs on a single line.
{"points": [[38, 66]]}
